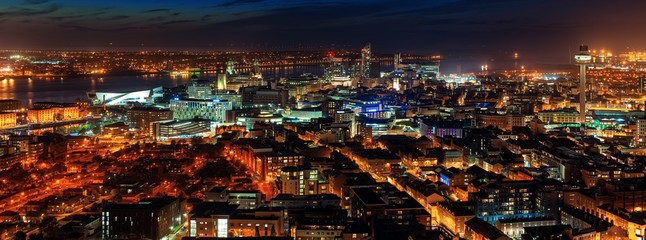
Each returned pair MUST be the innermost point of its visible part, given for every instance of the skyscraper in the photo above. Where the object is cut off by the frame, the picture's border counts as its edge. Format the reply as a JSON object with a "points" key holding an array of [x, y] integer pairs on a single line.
{"points": [[397, 60], [366, 54]]}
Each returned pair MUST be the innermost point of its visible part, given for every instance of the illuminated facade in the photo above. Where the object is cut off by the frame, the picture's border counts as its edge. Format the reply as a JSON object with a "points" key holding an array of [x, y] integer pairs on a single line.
{"points": [[302, 181], [121, 99], [566, 115], [641, 131], [199, 89], [515, 228], [176, 129], [7, 119], [222, 220], [153, 218], [143, 117], [10, 105], [53, 114], [43, 115], [366, 55], [452, 217], [214, 110], [503, 200]]}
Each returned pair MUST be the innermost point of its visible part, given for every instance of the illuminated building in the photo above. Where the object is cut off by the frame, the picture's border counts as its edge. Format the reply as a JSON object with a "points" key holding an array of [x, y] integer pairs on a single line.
{"points": [[214, 110], [248, 120], [269, 164], [176, 129], [222, 220], [366, 55], [231, 67], [300, 180], [334, 70], [316, 201], [397, 60], [641, 131], [503, 200], [438, 128], [504, 122], [376, 161], [324, 228], [452, 216], [122, 99], [301, 85], [7, 119], [221, 83], [245, 199], [153, 218], [583, 58], [636, 57], [385, 206], [10, 105], [515, 228], [141, 117], [257, 96], [242, 199], [46, 112], [199, 89], [42, 115], [234, 99], [631, 222], [566, 115], [304, 114], [478, 229]]}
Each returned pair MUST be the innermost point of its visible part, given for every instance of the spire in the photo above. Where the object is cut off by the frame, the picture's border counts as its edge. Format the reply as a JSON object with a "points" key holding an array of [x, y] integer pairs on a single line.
{"points": [[231, 65]]}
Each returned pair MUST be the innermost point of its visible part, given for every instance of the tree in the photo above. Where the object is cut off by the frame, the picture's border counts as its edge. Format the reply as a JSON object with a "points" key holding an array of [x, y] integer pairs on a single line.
{"points": [[197, 140], [20, 235], [35, 236]]}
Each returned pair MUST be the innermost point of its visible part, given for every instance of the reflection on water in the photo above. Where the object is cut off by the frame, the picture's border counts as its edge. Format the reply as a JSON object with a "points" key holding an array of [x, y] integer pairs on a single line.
{"points": [[67, 89]]}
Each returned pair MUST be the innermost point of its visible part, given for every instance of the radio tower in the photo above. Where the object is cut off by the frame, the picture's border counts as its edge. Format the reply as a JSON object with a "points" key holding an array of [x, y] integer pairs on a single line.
{"points": [[582, 58]]}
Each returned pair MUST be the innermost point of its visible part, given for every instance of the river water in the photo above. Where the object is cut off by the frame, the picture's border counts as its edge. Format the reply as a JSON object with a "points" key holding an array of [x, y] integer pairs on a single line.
{"points": [[68, 89]]}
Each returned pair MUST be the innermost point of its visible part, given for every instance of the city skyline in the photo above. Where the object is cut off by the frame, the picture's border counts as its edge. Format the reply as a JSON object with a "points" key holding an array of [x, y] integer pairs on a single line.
{"points": [[461, 29]]}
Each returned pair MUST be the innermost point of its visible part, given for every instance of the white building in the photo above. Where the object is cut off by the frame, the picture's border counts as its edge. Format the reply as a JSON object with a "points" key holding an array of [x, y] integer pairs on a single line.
{"points": [[214, 110]]}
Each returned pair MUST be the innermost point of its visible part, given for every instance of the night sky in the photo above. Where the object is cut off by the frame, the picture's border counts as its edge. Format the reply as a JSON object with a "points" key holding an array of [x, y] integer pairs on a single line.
{"points": [[540, 30]]}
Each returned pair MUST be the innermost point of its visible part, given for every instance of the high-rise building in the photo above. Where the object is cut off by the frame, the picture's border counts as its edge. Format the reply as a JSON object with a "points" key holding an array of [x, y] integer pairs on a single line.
{"points": [[366, 55], [397, 60], [334, 69]]}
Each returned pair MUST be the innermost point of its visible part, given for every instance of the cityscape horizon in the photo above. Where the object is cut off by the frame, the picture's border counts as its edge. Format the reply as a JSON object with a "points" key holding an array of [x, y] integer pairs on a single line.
{"points": [[322, 120]]}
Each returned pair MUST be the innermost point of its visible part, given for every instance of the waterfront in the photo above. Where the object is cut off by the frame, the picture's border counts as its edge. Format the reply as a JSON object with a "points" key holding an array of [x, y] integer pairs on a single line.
{"points": [[68, 89]]}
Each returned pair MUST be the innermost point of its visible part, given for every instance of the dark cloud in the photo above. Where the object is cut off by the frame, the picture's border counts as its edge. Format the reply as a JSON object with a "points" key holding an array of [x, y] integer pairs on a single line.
{"points": [[177, 22], [63, 18], [238, 2], [36, 1], [156, 10], [112, 18], [30, 11]]}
